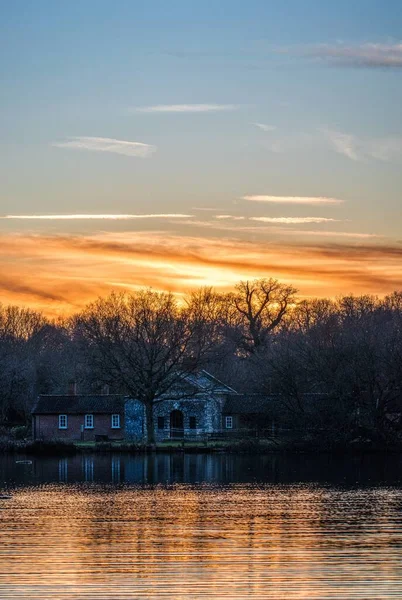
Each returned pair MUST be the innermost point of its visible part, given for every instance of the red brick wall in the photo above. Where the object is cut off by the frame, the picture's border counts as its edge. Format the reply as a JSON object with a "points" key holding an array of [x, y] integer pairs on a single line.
{"points": [[46, 427]]}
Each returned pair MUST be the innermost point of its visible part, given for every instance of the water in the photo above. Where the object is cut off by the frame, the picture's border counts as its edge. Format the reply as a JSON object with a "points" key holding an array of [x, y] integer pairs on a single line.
{"points": [[201, 526]]}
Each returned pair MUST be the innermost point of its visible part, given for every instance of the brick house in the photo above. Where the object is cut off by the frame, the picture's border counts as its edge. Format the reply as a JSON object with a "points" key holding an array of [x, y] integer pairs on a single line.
{"points": [[78, 417]]}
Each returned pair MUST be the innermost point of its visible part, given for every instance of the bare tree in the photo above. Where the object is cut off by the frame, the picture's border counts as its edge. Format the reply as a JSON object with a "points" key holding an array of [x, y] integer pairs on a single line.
{"points": [[140, 342], [314, 314], [20, 330], [260, 307], [210, 315]]}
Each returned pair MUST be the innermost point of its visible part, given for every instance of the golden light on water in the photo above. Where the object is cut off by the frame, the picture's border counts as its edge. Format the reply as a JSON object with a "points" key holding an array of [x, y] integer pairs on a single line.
{"points": [[204, 541]]}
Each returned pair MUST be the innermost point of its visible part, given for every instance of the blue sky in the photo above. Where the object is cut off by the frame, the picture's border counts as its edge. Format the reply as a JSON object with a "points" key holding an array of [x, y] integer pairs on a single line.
{"points": [[292, 99]]}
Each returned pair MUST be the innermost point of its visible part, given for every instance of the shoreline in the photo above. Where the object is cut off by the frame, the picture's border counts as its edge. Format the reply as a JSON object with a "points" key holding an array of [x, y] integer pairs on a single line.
{"points": [[58, 448]]}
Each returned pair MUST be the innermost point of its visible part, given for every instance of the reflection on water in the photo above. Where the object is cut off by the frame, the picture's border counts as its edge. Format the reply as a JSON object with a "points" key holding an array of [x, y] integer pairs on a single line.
{"points": [[203, 468], [201, 526]]}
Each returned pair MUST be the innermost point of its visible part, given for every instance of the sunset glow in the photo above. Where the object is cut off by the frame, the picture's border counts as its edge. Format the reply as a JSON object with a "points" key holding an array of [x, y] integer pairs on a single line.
{"points": [[60, 273], [201, 300], [174, 156]]}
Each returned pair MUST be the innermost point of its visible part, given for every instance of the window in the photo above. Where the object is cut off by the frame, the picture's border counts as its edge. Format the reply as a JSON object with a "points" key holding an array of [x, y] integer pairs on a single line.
{"points": [[193, 423], [229, 422], [115, 421], [62, 421], [161, 422], [89, 421]]}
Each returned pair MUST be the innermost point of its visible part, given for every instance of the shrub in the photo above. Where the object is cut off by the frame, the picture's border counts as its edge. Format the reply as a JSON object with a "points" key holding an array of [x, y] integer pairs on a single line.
{"points": [[21, 432]]}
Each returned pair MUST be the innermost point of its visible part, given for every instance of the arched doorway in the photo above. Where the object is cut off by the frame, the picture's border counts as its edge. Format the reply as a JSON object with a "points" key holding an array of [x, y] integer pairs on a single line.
{"points": [[176, 424]]}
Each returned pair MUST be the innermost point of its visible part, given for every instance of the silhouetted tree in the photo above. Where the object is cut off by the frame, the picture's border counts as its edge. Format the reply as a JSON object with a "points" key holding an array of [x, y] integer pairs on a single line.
{"points": [[260, 307], [141, 342]]}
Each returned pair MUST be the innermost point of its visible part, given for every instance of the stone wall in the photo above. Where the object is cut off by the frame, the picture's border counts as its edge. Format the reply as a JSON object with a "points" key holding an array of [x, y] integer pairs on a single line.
{"points": [[135, 421], [205, 410]]}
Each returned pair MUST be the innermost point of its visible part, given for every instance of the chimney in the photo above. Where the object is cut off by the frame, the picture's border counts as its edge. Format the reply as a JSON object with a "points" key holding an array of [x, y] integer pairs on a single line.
{"points": [[105, 389], [72, 388]]}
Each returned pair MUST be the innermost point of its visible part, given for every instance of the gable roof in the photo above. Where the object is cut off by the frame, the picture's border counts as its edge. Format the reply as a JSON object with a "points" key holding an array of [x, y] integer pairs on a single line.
{"points": [[79, 405], [205, 382]]}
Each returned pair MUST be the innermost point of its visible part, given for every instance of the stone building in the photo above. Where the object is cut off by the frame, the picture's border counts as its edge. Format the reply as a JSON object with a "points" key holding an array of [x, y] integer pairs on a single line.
{"points": [[195, 407]]}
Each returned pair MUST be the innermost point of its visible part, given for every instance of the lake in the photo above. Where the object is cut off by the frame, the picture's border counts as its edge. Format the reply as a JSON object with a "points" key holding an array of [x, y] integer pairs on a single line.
{"points": [[192, 526]]}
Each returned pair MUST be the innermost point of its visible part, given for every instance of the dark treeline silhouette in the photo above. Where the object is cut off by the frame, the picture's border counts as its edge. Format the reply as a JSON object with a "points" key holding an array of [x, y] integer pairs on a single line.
{"points": [[330, 366]]}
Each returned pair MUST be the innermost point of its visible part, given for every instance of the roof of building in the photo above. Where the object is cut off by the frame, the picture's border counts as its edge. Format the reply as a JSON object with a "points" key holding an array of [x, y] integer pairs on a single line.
{"points": [[79, 405], [205, 382], [249, 404]]}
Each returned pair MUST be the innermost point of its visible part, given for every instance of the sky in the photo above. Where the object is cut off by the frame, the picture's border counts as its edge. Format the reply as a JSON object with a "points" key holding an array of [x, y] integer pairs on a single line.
{"points": [[180, 144]]}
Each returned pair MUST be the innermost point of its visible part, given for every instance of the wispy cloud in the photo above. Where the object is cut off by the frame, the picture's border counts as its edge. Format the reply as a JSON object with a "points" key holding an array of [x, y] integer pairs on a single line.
{"points": [[206, 208], [185, 108], [356, 148], [312, 200], [332, 234], [363, 55], [263, 127], [117, 217], [232, 217], [386, 148], [99, 144], [293, 220], [280, 220], [344, 143], [276, 230]]}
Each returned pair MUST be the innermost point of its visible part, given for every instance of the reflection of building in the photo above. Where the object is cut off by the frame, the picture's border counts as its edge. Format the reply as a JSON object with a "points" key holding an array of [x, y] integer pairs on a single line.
{"points": [[116, 469], [63, 470], [88, 468]]}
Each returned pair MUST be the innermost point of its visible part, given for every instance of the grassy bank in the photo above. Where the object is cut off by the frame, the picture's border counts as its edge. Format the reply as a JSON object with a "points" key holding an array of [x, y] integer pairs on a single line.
{"points": [[252, 446]]}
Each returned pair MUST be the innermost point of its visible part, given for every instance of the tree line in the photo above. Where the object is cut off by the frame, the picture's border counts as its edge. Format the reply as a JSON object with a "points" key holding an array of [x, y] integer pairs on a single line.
{"points": [[334, 366]]}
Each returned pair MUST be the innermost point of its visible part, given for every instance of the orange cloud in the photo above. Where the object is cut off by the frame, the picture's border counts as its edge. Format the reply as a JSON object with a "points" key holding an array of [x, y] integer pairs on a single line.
{"points": [[62, 273]]}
